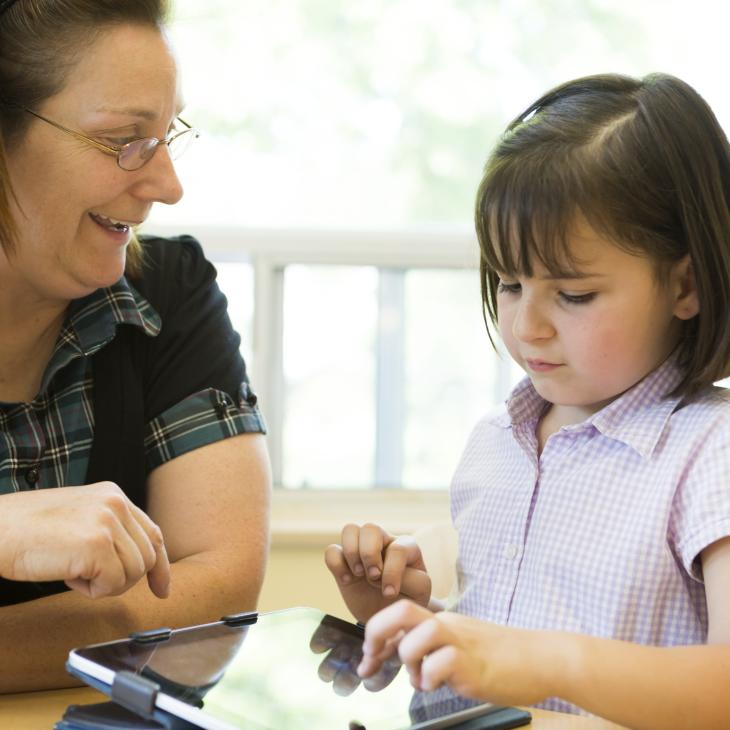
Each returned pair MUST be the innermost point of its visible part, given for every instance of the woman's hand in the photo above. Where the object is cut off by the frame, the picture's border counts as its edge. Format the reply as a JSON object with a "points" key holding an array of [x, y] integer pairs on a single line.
{"points": [[374, 569], [474, 658], [91, 537]]}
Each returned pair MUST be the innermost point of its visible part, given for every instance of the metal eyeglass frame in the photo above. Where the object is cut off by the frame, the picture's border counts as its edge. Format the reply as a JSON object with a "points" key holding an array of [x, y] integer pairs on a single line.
{"points": [[117, 151]]}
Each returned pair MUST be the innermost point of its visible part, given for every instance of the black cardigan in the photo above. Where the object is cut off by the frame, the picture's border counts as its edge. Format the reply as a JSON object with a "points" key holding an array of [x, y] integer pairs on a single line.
{"points": [[138, 377]]}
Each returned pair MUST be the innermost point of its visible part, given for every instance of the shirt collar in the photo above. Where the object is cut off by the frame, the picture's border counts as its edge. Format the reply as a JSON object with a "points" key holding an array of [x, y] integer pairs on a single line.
{"points": [[93, 320], [637, 417]]}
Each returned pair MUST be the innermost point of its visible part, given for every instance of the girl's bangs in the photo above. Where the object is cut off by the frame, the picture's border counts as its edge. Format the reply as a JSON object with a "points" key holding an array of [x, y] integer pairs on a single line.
{"points": [[525, 222]]}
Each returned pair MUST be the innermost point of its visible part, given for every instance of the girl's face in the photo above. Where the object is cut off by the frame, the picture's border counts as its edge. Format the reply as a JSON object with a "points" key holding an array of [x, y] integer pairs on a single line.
{"points": [[123, 87], [585, 338]]}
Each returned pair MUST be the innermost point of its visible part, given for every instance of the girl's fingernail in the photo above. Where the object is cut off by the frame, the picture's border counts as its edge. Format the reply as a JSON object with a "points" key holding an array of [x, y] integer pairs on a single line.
{"points": [[388, 591], [346, 578], [373, 572], [358, 569]]}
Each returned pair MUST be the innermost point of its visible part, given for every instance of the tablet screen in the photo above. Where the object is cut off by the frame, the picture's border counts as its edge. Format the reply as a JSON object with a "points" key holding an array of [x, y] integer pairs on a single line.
{"points": [[289, 669]]}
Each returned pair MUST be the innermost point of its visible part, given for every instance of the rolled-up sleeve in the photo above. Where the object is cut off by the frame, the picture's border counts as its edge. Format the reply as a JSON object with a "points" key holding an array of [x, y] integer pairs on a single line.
{"points": [[200, 419]]}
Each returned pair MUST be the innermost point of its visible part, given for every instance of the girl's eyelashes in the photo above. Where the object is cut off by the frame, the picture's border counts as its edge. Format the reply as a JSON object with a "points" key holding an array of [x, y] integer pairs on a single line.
{"points": [[516, 288], [577, 298], [504, 288]]}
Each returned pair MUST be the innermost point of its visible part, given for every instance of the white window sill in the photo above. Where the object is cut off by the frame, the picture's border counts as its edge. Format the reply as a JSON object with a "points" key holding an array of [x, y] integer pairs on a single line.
{"points": [[315, 517]]}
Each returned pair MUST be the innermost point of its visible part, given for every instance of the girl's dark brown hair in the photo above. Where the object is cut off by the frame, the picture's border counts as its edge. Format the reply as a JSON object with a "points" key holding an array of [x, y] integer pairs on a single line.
{"points": [[645, 163], [40, 42]]}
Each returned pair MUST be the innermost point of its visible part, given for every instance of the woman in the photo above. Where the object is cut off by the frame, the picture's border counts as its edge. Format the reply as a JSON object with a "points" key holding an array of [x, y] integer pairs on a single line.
{"points": [[130, 442]]}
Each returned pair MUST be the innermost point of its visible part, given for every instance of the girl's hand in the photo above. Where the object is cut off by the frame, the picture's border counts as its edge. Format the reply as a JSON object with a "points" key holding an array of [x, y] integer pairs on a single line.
{"points": [[374, 569], [92, 537], [476, 659]]}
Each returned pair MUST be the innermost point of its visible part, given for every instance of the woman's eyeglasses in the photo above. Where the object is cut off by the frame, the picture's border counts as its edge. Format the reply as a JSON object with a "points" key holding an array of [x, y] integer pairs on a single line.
{"points": [[138, 152]]}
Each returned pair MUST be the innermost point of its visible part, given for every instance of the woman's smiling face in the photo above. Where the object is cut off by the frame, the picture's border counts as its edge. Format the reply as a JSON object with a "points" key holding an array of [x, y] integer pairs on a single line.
{"points": [[69, 193]]}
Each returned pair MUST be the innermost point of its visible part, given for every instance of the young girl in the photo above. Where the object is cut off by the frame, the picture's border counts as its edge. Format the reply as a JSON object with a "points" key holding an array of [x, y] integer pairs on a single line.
{"points": [[593, 512]]}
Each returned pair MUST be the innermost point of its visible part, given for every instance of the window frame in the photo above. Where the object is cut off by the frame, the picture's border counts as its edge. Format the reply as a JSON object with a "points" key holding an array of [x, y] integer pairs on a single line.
{"points": [[315, 515]]}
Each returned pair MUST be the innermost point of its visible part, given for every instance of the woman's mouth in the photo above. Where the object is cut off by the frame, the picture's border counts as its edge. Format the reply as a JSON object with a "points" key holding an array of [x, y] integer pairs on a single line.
{"points": [[111, 224]]}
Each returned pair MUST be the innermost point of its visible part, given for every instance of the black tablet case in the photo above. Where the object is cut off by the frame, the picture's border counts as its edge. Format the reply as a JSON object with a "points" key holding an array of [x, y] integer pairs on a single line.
{"points": [[133, 705], [134, 709]]}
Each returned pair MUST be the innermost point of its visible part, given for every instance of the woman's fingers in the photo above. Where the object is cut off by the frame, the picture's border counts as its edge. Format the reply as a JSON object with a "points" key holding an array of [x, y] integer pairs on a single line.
{"points": [[110, 545], [139, 548], [98, 569], [158, 577], [152, 548]]}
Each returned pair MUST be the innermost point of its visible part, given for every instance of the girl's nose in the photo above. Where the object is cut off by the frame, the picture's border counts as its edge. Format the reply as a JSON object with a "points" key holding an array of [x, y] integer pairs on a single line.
{"points": [[530, 321]]}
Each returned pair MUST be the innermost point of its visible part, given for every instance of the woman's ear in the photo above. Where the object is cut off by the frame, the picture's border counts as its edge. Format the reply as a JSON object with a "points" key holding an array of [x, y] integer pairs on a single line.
{"points": [[682, 277]]}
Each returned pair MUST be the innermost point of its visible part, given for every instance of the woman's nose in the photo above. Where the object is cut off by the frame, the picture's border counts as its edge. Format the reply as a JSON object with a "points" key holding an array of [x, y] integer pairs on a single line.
{"points": [[159, 181]]}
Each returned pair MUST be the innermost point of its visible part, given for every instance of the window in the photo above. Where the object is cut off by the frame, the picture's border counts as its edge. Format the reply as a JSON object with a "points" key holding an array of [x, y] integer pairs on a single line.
{"points": [[333, 187]]}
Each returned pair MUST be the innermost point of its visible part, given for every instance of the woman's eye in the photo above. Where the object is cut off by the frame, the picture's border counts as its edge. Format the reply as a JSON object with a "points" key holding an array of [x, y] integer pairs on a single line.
{"points": [[577, 298], [504, 288], [119, 141]]}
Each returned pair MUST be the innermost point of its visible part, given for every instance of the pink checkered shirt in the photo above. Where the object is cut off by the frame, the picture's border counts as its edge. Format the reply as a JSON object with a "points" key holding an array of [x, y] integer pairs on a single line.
{"points": [[601, 534]]}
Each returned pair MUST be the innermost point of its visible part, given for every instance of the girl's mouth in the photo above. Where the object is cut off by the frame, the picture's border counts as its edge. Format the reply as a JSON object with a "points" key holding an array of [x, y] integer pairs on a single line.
{"points": [[540, 366]]}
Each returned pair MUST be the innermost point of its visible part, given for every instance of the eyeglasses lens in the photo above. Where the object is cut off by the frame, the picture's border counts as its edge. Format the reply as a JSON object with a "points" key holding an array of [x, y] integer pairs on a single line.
{"points": [[133, 155], [180, 143]]}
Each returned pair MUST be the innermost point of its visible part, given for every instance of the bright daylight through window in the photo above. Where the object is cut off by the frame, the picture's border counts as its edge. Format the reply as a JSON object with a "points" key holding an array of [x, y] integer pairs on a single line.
{"points": [[333, 186]]}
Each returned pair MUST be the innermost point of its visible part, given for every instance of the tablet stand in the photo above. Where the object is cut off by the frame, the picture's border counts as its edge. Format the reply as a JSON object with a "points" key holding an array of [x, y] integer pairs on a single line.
{"points": [[111, 716], [132, 708]]}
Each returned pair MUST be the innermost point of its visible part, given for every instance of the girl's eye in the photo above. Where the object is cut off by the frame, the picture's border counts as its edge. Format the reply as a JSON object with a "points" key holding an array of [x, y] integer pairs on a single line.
{"points": [[577, 298], [504, 288]]}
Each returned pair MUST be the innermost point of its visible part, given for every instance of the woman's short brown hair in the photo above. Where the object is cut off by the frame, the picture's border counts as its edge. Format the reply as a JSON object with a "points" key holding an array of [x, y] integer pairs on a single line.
{"points": [[40, 42], [645, 163]]}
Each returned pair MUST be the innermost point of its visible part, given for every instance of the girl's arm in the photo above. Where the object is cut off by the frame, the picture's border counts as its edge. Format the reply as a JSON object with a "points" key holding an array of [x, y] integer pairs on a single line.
{"points": [[638, 686], [212, 507]]}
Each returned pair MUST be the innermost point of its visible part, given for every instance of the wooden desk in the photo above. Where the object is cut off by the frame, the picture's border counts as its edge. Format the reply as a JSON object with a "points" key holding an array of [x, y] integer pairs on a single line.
{"points": [[40, 710]]}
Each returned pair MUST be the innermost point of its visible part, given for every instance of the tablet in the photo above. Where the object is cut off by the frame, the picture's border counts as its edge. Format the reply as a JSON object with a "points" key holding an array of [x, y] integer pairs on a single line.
{"points": [[285, 670]]}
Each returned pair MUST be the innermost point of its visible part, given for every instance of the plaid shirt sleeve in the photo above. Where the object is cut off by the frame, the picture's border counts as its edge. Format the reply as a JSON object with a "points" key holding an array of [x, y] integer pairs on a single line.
{"points": [[200, 419]]}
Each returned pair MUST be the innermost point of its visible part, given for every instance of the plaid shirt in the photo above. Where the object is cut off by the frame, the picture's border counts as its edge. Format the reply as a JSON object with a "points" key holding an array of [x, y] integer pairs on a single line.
{"points": [[601, 533], [47, 443]]}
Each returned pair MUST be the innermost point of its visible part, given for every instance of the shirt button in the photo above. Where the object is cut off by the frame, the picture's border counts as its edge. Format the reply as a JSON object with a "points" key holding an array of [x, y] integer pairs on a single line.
{"points": [[246, 395], [510, 551], [32, 476]]}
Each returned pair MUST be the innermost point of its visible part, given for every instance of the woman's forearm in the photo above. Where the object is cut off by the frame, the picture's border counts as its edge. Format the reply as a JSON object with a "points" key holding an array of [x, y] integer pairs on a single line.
{"points": [[35, 637]]}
